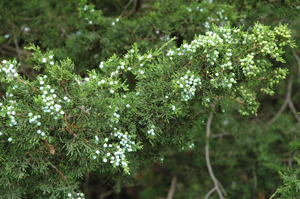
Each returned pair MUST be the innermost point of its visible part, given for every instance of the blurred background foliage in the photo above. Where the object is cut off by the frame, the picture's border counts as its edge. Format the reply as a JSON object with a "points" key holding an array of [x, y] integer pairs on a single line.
{"points": [[246, 153]]}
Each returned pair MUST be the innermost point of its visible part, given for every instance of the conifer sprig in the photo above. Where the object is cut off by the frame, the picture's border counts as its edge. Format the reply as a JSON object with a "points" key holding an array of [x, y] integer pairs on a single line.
{"points": [[67, 125]]}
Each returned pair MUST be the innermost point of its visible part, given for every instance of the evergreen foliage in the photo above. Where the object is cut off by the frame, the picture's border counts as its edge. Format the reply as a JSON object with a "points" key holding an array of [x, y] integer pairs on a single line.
{"points": [[119, 90], [291, 182]]}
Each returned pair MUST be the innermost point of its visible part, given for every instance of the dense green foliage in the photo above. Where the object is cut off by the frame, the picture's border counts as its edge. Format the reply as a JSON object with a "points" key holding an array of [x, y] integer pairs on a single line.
{"points": [[111, 94]]}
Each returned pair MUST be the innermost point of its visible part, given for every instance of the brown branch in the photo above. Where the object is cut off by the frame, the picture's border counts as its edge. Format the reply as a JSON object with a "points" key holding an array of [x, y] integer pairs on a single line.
{"points": [[18, 114], [69, 127], [49, 146], [58, 171], [79, 107], [29, 86], [237, 101], [172, 187], [65, 90], [186, 65]]}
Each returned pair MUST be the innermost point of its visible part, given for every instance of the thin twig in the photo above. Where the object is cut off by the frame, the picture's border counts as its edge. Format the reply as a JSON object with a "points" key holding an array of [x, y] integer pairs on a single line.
{"points": [[237, 101], [29, 86], [208, 124], [298, 60], [65, 89], [83, 109], [172, 187], [58, 171]]}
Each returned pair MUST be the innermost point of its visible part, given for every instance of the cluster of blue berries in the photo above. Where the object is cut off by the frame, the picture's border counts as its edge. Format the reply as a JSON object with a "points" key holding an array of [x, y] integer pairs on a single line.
{"points": [[188, 85]]}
